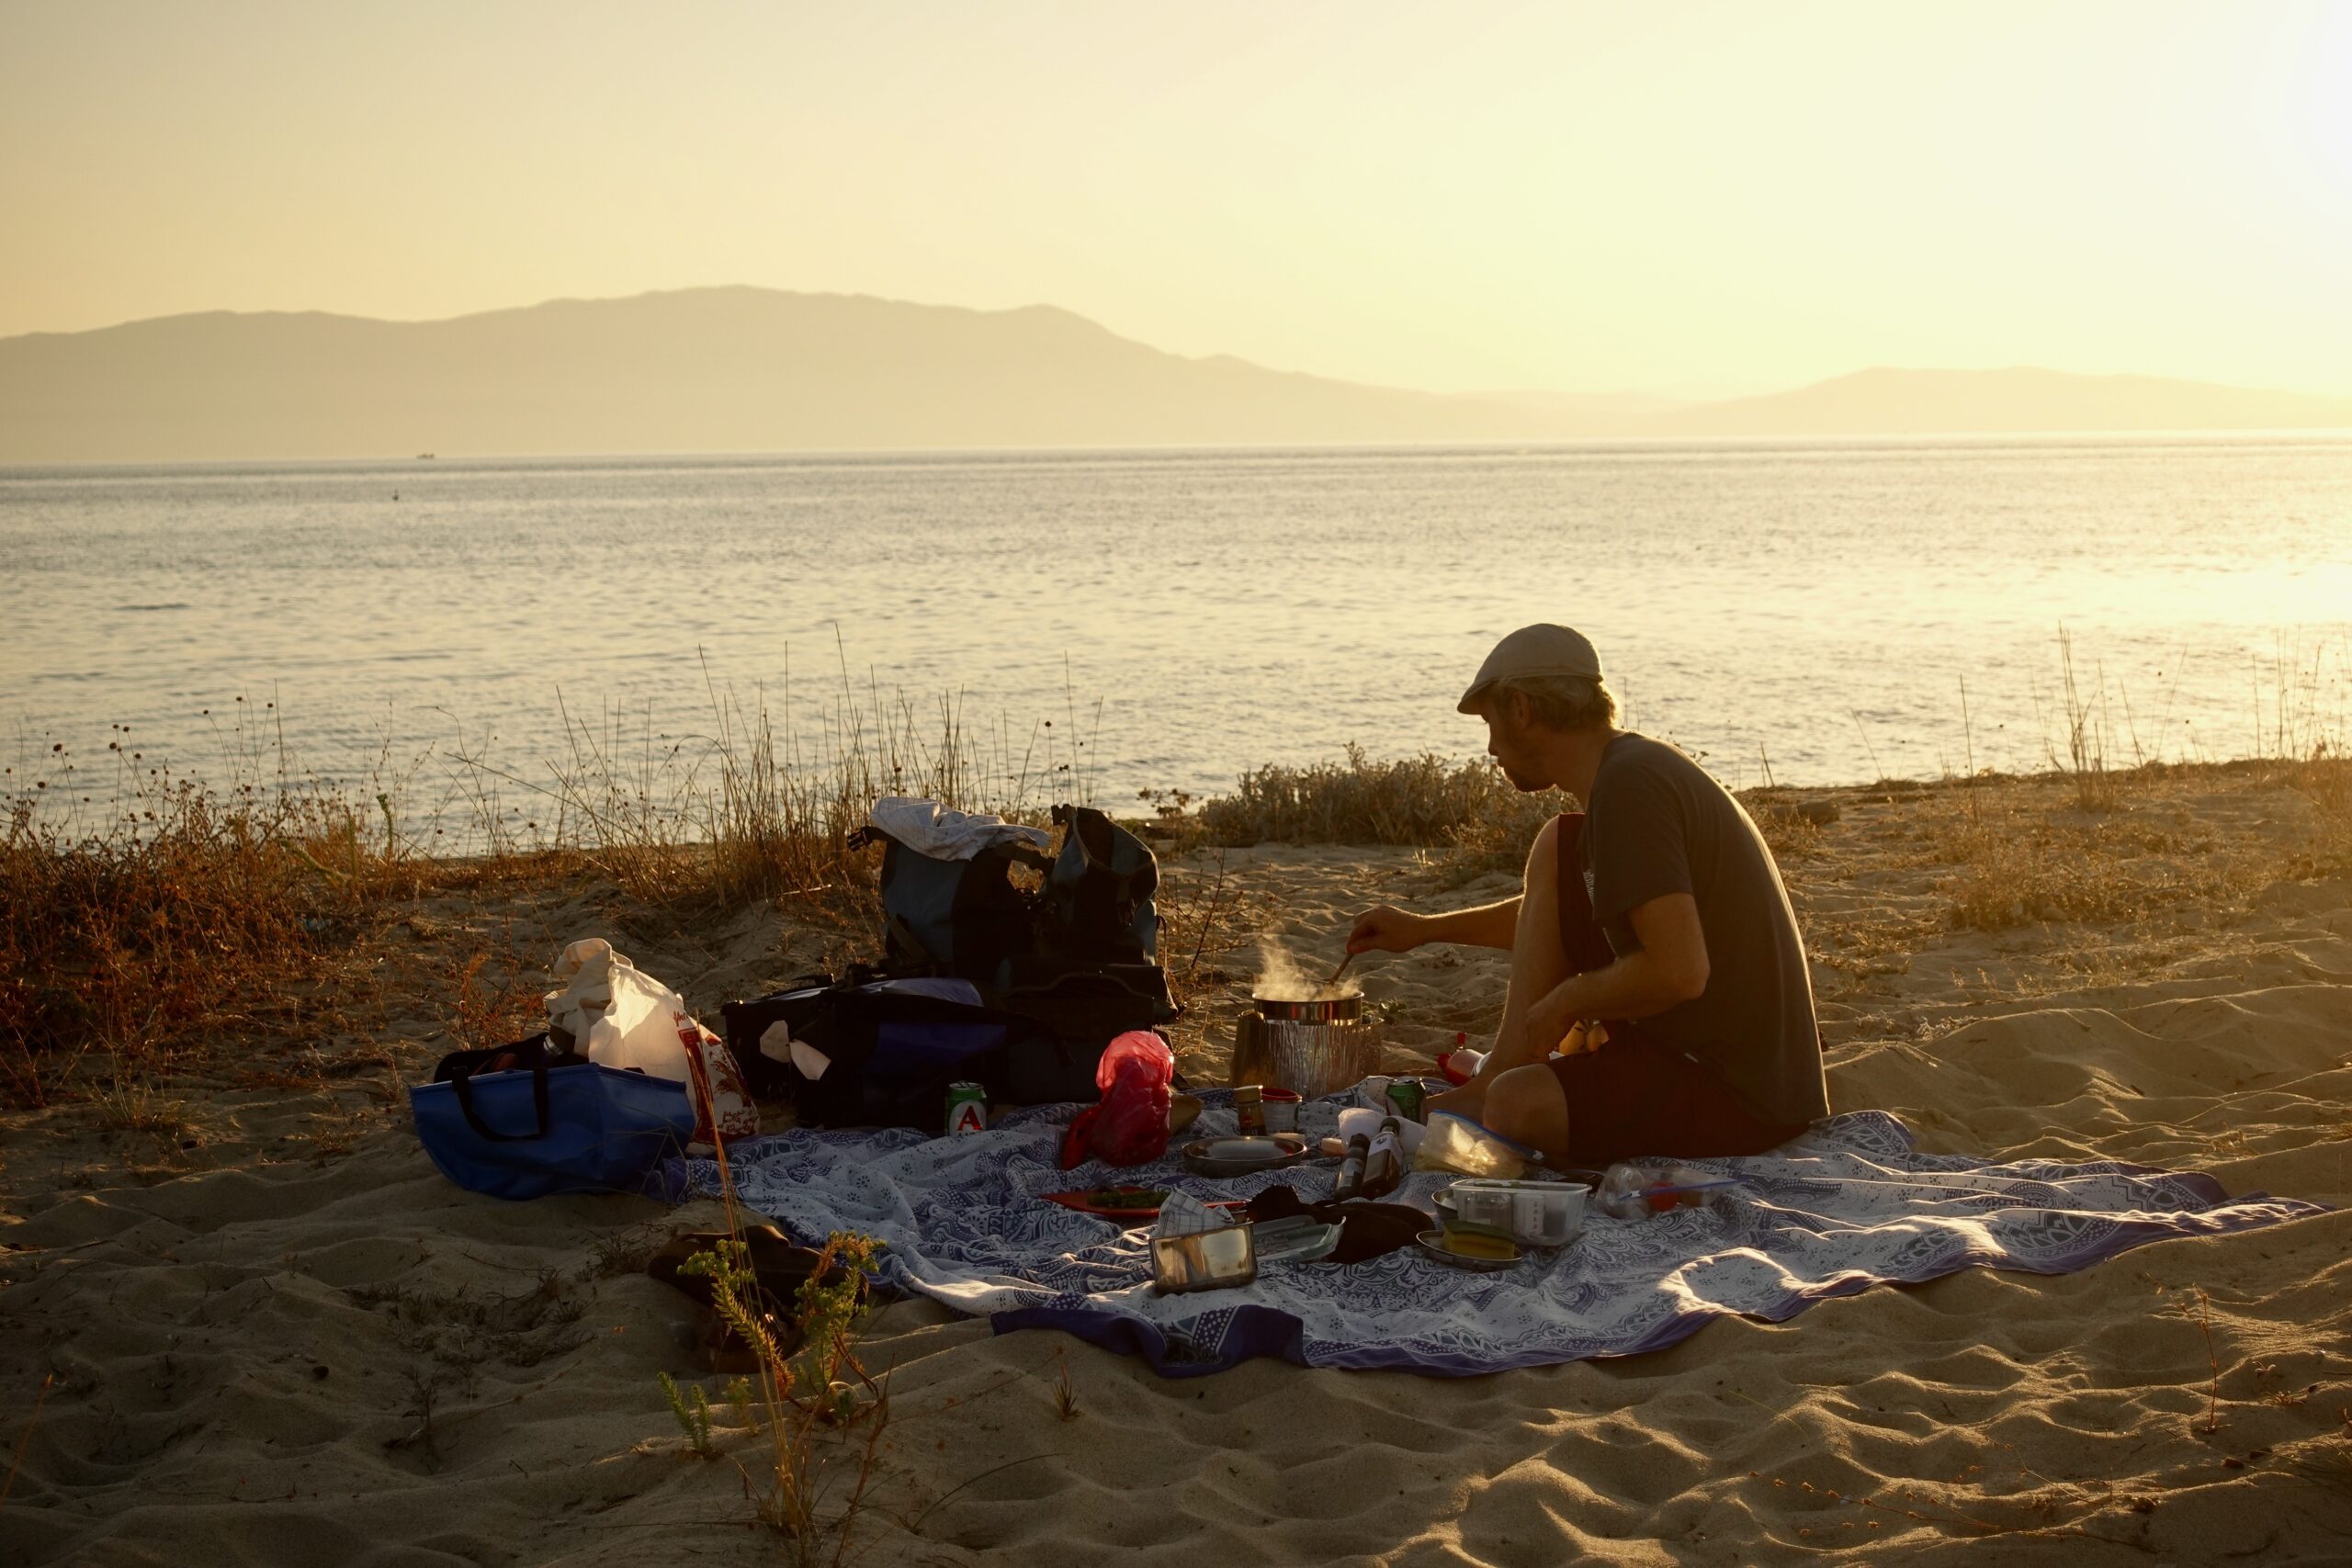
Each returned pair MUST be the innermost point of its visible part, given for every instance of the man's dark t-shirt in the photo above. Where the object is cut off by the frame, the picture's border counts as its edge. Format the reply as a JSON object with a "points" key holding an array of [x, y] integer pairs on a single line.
{"points": [[1658, 824]]}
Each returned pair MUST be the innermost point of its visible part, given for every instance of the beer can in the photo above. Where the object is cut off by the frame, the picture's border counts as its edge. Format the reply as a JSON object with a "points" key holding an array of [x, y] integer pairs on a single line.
{"points": [[1249, 1110], [1405, 1095], [968, 1108]]}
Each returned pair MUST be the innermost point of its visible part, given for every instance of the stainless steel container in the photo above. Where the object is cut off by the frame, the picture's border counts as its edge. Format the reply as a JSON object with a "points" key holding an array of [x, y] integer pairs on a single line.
{"points": [[1207, 1261], [1313, 1047]]}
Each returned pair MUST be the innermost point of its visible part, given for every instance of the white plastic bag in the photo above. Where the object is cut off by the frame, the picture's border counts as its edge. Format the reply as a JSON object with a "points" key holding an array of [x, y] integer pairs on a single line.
{"points": [[618, 1015]]}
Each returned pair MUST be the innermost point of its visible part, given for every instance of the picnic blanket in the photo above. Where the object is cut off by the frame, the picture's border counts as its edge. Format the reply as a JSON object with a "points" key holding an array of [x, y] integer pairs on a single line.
{"points": [[1851, 1204]]}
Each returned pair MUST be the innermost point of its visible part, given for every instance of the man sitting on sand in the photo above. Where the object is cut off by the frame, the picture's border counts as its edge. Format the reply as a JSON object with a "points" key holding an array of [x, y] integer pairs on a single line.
{"points": [[1653, 945]]}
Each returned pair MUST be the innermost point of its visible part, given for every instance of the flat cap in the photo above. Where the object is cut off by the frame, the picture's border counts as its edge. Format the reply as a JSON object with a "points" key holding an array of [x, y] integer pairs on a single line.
{"points": [[1541, 650]]}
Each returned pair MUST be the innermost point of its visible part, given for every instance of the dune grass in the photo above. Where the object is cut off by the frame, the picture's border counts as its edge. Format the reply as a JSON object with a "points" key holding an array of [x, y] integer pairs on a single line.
{"points": [[146, 922], [156, 917]]}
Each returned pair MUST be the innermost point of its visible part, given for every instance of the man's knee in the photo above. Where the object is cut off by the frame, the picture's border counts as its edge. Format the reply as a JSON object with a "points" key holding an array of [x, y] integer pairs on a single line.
{"points": [[1525, 1105]]}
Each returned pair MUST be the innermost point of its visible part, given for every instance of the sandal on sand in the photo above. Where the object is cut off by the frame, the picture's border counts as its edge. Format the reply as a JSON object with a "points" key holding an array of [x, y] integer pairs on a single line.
{"points": [[778, 1268]]}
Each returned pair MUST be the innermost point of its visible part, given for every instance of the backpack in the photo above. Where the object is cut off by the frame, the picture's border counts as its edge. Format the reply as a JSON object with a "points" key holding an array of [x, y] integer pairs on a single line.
{"points": [[954, 917], [968, 917], [1097, 895]]}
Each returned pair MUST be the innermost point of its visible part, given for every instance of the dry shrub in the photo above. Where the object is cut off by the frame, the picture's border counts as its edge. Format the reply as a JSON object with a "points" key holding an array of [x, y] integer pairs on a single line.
{"points": [[187, 915], [191, 915], [2326, 780], [1426, 800], [2017, 867], [1789, 831]]}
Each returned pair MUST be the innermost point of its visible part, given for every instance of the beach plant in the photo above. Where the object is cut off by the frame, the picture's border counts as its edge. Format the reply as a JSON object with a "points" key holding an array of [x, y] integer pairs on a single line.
{"points": [[821, 1415], [739, 1399], [1427, 801], [693, 1415]]}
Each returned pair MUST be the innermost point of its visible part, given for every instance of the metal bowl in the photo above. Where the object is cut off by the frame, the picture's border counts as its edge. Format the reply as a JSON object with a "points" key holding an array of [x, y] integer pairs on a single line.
{"points": [[1433, 1245]]}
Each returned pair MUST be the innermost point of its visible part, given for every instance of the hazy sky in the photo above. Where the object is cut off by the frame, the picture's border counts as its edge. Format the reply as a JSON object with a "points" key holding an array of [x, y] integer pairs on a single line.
{"points": [[1693, 198]]}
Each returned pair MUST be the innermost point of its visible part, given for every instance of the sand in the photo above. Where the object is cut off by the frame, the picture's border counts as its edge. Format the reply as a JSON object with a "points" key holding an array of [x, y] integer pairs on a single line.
{"points": [[279, 1336]]}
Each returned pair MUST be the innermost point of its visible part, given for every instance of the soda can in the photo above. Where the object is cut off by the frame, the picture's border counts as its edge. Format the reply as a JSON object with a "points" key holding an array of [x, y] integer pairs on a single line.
{"points": [[968, 1108], [1405, 1095]]}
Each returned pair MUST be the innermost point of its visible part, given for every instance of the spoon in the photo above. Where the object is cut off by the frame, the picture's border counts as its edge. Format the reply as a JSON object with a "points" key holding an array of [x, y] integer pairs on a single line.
{"points": [[1343, 969]]}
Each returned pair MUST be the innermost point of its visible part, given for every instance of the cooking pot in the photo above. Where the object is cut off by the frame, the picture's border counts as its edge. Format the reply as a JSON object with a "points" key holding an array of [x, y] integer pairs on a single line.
{"points": [[1346, 1009]]}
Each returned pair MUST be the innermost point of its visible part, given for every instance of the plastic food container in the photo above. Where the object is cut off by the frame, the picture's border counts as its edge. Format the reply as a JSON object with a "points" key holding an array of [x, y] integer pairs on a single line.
{"points": [[1301, 1239], [1535, 1213], [1457, 1144]]}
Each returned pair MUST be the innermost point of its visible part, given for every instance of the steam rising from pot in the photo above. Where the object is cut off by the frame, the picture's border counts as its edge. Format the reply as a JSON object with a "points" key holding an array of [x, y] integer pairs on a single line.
{"points": [[1280, 978]]}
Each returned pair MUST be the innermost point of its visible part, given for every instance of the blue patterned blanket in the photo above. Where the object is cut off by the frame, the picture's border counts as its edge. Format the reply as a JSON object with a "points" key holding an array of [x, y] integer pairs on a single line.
{"points": [[1851, 1204]]}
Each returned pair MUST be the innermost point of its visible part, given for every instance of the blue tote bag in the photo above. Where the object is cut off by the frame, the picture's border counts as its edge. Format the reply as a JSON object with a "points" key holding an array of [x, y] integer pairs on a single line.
{"points": [[536, 1130]]}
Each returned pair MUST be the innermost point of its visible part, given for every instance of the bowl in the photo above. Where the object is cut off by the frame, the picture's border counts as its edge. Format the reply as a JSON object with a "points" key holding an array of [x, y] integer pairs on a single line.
{"points": [[1433, 1245]]}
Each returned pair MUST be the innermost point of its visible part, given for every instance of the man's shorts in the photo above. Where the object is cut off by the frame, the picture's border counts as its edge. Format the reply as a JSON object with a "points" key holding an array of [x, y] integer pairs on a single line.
{"points": [[1638, 1097]]}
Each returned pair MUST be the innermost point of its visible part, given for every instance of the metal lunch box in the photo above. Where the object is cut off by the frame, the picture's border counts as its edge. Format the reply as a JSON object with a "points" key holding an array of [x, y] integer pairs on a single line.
{"points": [[1206, 1261]]}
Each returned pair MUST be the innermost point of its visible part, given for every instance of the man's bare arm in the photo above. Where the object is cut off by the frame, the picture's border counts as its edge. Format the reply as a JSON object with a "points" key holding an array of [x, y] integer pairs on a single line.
{"points": [[1391, 929], [1669, 968], [1486, 925]]}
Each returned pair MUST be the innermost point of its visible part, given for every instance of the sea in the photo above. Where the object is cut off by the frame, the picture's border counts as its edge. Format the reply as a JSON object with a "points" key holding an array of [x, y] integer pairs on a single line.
{"points": [[1113, 624]]}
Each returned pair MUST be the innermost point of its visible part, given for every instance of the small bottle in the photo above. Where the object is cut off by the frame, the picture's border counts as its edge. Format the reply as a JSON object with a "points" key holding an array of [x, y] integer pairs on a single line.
{"points": [[1249, 1110], [1384, 1163], [1351, 1168]]}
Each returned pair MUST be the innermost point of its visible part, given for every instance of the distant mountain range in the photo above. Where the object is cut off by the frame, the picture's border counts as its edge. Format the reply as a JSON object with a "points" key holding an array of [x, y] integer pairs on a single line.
{"points": [[751, 369]]}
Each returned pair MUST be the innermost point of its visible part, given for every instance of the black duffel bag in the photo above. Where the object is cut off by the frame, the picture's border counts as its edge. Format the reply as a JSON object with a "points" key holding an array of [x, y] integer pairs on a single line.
{"points": [[1088, 1005], [892, 1051]]}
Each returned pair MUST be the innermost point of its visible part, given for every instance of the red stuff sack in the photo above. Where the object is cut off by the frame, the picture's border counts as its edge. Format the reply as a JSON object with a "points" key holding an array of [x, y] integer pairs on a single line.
{"points": [[1129, 1124]]}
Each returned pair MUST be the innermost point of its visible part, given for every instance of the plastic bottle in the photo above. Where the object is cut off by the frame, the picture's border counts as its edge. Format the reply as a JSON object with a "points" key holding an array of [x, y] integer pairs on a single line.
{"points": [[1351, 1168], [1638, 1189], [1384, 1163]]}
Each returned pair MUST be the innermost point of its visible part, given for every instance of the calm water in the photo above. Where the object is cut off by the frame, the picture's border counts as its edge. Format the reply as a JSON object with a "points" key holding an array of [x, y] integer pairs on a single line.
{"points": [[1817, 604]]}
